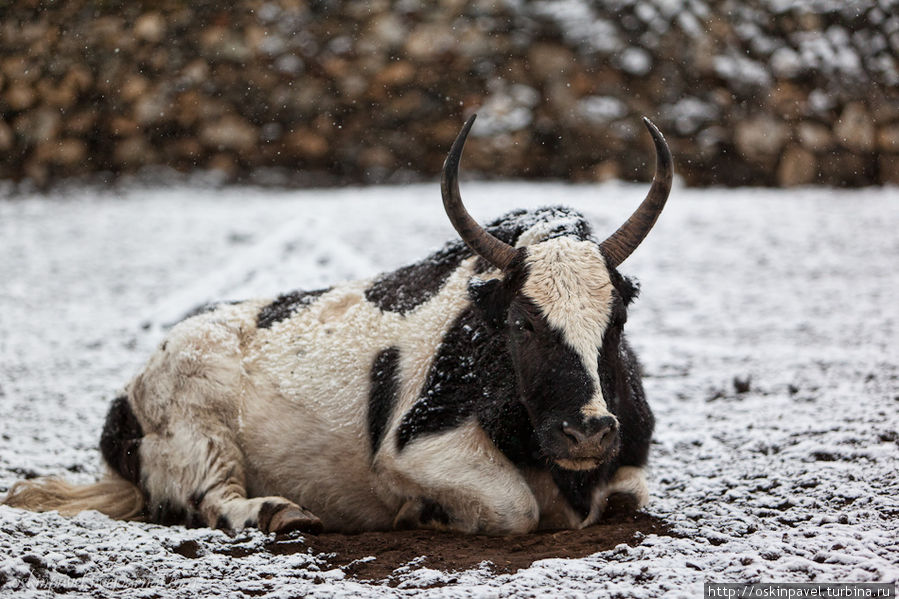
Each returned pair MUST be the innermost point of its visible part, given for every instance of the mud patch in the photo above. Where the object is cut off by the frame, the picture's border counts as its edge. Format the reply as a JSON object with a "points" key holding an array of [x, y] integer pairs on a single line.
{"points": [[376, 555]]}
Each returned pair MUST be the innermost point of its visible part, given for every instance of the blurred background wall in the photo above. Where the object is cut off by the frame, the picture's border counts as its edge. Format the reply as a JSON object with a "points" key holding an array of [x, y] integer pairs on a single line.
{"points": [[761, 92]]}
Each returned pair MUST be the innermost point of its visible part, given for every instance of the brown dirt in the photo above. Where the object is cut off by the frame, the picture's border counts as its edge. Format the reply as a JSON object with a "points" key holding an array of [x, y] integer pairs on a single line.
{"points": [[454, 552]]}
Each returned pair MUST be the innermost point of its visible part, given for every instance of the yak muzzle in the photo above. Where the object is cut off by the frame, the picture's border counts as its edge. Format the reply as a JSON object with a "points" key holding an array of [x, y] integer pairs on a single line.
{"points": [[587, 444]]}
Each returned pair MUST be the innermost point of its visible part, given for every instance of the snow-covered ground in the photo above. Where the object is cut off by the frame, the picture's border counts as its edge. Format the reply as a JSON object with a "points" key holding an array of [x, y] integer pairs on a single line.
{"points": [[795, 478]]}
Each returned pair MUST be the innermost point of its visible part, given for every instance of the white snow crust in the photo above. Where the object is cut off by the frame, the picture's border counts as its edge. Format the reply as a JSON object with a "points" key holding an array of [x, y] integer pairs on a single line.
{"points": [[794, 293]]}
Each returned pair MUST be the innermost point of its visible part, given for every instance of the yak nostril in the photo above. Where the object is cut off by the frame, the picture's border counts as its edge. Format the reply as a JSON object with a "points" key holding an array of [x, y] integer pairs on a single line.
{"points": [[604, 428], [604, 425], [575, 435]]}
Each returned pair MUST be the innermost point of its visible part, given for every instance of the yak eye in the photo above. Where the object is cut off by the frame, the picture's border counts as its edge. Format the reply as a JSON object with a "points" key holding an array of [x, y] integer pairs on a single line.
{"points": [[523, 325]]}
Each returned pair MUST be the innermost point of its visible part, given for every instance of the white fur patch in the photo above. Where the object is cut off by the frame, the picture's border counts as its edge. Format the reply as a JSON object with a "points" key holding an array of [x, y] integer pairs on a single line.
{"points": [[569, 281], [630, 480]]}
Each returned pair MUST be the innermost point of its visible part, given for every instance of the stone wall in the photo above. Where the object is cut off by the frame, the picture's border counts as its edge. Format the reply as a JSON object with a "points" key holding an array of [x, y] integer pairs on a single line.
{"points": [[315, 92]]}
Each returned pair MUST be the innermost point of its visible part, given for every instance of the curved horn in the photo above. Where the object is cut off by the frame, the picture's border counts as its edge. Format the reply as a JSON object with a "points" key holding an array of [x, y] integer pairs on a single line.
{"points": [[482, 243], [625, 240]]}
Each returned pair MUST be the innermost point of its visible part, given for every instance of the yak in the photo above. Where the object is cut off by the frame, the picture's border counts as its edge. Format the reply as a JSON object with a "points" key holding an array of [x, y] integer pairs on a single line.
{"points": [[488, 388]]}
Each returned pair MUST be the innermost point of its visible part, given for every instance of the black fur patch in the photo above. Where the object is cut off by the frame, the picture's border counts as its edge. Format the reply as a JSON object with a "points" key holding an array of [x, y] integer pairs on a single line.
{"points": [[508, 426], [577, 486], [266, 513], [552, 376], [120, 440], [433, 513], [411, 286], [196, 499], [472, 371], [628, 289], [382, 394], [168, 514], [286, 306], [622, 385], [471, 368], [223, 523]]}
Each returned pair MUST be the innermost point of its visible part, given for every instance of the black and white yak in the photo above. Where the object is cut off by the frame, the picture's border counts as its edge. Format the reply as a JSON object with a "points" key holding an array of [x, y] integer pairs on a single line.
{"points": [[488, 388]]}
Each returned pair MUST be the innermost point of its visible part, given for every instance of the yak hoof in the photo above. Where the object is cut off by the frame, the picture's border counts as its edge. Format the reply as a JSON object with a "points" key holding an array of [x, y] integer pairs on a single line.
{"points": [[293, 519], [290, 518], [621, 504]]}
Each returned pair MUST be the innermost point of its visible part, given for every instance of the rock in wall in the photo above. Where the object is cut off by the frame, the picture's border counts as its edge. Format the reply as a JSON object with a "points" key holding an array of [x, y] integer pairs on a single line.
{"points": [[767, 92]]}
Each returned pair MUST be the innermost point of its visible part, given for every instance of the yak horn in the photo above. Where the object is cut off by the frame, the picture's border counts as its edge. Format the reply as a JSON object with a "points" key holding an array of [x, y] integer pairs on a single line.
{"points": [[625, 240], [482, 243]]}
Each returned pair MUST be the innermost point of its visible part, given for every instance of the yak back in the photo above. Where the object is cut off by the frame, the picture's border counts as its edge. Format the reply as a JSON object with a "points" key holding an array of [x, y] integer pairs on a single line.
{"points": [[406, 288]]}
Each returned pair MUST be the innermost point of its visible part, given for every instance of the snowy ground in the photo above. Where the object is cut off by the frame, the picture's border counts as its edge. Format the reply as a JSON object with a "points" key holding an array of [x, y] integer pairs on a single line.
{"points": [[792, 479]]}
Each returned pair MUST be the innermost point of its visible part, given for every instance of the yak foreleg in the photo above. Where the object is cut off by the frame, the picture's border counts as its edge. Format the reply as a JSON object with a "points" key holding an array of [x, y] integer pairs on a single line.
{"points": [[458, 480]]}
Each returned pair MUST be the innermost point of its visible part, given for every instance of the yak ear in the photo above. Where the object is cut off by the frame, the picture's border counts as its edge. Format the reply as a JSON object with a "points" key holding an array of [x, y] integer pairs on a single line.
{"points": [[628, 288], [491, 298]]}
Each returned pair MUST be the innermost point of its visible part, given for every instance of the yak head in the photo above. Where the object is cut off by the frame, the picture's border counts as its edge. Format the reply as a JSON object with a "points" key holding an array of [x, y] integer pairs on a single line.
{"points": [[561, 305]]}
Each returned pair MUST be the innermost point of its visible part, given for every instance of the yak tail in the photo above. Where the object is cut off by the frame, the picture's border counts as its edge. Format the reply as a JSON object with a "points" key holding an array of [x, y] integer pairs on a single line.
{"points": [[112, 495]]}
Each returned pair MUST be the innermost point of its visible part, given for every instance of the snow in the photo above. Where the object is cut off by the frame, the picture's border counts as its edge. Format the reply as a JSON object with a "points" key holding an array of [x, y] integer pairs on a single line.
{"points": [[794, 479], [635, 61], [508, 108], [843, 42], [689, 114], [580, 24], [602, 109], [740, 71]]}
